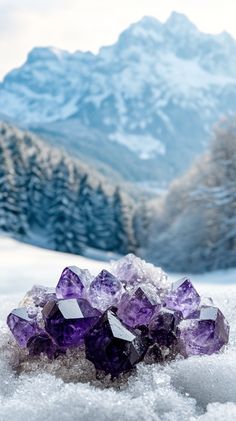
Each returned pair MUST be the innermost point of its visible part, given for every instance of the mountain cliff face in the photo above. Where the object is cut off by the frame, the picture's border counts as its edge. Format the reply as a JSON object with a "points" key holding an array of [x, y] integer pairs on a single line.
{"points": [[153, 96]]}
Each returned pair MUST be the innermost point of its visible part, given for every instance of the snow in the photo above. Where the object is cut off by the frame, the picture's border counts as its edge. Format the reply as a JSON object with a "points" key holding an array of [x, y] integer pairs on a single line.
{"points": [[22, 263], [144, 146], [199, 388], [186, 78]]}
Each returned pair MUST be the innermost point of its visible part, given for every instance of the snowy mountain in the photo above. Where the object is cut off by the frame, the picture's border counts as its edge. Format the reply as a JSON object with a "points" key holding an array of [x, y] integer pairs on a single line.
{"points": [[152, 97]]}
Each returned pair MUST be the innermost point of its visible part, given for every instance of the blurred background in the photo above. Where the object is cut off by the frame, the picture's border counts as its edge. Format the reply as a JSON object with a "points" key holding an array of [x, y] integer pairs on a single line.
{"points": [[117, 135]]}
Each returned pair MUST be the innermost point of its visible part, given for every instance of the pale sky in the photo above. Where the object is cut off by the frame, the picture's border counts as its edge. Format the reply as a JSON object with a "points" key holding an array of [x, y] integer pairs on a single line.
{"points": [[88, 24]]}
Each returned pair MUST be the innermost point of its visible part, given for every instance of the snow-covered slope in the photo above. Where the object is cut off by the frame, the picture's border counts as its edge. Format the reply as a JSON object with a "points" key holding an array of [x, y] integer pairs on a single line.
{"points": [[199, 388], [156, 92], [22, 265]]}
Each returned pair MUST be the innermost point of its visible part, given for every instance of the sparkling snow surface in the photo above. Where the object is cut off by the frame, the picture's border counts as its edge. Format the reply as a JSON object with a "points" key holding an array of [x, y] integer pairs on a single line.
{"points": [[199, 388]]}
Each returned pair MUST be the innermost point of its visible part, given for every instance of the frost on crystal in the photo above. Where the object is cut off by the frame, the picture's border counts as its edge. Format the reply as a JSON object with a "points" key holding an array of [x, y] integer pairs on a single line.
{"points": [[132, 270]]}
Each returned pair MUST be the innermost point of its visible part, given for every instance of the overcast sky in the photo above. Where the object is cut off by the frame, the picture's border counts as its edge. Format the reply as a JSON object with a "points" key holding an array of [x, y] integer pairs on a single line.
{"points": [[89, 24]]}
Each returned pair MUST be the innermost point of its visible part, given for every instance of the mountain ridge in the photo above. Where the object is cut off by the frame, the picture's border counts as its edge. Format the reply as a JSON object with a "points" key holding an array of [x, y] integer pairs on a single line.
{"points": [[156, 93]]}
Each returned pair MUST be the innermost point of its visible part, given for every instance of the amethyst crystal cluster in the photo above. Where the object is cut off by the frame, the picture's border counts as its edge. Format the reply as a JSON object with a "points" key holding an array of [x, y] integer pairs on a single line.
{"points": [[120, 318]]}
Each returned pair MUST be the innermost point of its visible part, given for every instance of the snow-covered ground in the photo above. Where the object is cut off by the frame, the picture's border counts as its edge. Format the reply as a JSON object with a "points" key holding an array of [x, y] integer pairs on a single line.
{"points": [[22, 265], [199, 388]]}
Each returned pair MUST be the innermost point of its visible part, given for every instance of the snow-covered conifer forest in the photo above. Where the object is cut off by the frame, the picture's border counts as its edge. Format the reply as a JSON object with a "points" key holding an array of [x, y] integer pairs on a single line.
{"points": [[52, 199], [193, 227]]}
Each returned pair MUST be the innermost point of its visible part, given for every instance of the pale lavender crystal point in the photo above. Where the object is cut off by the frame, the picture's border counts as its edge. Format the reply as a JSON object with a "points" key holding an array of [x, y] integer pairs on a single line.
{"points": [[22, 326], [105, 290], [41, 295], [72, 283], [205, 335], [184, 297], [131, 271], [128, 269], [137, 308], [38, 296]]}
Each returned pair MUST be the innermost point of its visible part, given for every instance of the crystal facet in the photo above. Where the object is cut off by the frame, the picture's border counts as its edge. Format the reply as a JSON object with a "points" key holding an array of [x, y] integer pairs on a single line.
{"points": [[163, 328], [22, 326], [112, 347], [183, 297], [205, 335], [105, 290], [42, 343], [72, 282], [138, 307], [67, 321]]}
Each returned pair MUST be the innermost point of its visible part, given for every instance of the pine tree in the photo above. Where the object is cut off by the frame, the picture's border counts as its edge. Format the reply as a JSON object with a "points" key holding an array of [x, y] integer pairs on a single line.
{"points": [[65, 225], [123, 236], [103, 221], [12, 190]]}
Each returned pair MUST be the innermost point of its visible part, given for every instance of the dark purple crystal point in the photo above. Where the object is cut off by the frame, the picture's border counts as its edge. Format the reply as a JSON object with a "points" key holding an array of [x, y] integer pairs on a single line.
{"points": [[163, 328], [112, 347], [42, 343], [67, 321], [22, 326], [184, 297], [205, 335], [137, 308], [72, 282], [105, 290]]}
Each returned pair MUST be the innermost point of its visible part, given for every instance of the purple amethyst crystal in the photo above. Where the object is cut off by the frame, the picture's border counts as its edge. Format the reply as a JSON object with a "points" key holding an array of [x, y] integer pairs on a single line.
{"points": [[113, 348], [105, 290], [22, 326], [143, 319], [67, 321], [183, 297], [205, 335], [72, 282], [163, 328], [137, 308], [42, 343]]}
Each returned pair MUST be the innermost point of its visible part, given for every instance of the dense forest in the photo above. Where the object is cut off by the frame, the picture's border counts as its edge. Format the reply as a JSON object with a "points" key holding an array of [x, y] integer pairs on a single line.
{"points": [[56, 200], [193, 227]]}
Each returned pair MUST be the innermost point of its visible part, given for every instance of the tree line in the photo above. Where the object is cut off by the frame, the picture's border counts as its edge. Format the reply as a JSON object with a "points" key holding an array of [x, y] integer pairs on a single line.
{"points": [[52, 198]]}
